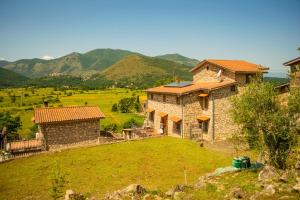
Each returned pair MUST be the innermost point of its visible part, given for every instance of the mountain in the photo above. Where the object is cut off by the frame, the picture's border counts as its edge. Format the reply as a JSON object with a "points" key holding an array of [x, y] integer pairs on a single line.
{"points": [[135, 67], [179, 59], [3, 62], [9, 78], [75, 64]]}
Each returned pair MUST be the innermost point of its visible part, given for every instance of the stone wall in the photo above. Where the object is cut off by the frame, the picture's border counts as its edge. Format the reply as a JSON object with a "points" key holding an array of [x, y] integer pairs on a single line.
{"points": [[70, 132], [170, 107], [224, 126], [208, 73]]}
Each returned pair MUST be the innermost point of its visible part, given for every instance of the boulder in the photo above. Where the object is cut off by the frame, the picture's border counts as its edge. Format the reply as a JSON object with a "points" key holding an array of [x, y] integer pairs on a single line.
{"points": [[177, 188], [268, 173], [69, 194], [237, 193], [296, 187], [269, 190], [133, 188]]}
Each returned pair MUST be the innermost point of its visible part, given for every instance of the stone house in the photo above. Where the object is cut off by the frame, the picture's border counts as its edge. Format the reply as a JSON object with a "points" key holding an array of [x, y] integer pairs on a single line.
{"points": [[294, 72], [200, 108], [67, 125]]}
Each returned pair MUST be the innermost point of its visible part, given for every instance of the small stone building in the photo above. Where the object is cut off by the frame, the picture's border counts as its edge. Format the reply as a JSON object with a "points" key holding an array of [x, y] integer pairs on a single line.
{"points": [[200, 108], [67, 125]]}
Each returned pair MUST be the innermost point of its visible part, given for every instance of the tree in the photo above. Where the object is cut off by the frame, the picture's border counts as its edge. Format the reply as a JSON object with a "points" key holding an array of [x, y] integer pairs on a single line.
{"points": [[130, 123], [13, 98], [12, 124], [265, 123], [114, 107]]}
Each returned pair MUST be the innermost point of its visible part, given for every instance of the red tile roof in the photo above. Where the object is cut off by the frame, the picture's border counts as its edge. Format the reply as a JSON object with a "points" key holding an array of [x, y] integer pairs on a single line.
{"points": [[190, 88], [72, 113], [237, 66]]}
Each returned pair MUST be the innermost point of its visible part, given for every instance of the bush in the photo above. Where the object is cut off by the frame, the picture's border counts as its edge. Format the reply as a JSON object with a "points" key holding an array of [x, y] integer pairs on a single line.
{"points": [[111, 127], [114, 107], [130, 123]]}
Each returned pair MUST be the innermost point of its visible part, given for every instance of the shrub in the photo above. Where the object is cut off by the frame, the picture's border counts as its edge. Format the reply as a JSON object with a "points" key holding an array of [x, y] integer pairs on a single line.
{"points": [[111, 127], [58, 181], [130, 123], [114, 107]]}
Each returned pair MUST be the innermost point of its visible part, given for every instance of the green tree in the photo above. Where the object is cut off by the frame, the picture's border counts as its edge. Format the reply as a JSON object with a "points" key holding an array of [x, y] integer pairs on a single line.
{"points": [[265, 123], [114, 107], [12, 124]]}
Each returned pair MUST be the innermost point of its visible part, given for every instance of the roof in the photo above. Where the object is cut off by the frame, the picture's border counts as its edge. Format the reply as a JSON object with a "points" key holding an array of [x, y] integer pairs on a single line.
{"points": [[61, 114], [150, 110], [175, 119], [162, 114], [237, 66], [203, 118], [191, 88], [292, 62]]}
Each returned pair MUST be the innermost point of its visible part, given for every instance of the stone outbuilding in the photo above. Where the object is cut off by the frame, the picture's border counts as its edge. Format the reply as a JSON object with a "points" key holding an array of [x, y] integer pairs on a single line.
{"points": [[68, 125], [200, 108]]}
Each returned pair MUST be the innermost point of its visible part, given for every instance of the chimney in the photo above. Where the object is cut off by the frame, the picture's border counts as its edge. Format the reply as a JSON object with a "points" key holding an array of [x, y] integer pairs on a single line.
{"points": [[46, 103]]}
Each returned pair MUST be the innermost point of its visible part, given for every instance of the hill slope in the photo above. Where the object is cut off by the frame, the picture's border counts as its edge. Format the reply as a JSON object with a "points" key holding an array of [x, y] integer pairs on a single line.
{"points": [[73, 64], [179, 59], [136, 66], [9, 78]]}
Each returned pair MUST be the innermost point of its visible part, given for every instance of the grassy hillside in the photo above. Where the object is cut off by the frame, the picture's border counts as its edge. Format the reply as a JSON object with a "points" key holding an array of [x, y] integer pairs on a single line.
{"points": [[276, 80], [9, 78], [95, 171], [135, 66], [180, 59], [73, 64]]}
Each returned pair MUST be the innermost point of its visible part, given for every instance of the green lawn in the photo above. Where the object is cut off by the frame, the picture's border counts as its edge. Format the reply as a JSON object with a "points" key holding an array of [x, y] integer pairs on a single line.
{"points": [[102, 98], [155, 163]]}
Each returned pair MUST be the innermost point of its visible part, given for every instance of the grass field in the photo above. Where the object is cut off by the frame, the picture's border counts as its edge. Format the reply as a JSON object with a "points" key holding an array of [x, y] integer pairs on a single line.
{"points": [[23, 107], [155, 163]]}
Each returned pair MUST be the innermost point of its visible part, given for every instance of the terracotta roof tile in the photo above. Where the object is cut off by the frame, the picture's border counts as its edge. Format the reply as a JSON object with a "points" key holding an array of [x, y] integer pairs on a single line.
{"points": [[203, 118], [59, 114], [175, 119], [190, 88], [238, 66]]}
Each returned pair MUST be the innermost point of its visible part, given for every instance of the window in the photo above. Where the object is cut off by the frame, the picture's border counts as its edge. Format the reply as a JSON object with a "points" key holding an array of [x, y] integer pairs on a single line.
{"points": [[151, 96], [233, 88], [248, 78], [164, 98], [177, 128], [207, 67], [151, 116], [178, 100], [204, 126], [204, 102]]}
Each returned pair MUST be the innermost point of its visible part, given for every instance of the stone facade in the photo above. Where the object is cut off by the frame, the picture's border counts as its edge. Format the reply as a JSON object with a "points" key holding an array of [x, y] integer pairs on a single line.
{"points": [[220, 125], [70, 132], [172, 106], [208, 73]]}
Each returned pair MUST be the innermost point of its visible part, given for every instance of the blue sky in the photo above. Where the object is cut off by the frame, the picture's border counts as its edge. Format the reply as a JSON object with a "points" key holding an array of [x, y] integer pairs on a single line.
{"points": [[260, 31]]}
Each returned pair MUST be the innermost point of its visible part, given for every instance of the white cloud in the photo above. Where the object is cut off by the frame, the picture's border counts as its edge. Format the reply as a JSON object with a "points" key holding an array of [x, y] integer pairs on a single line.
{"points": [[47, 57], [2, 59]]}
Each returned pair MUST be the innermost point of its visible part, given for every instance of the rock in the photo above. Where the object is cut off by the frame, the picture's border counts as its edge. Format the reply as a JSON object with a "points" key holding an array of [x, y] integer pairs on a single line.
{"points": [[177, 188], [269, 190], [156, 197], [297, 165], [178, 195], [284, 177], [69, 194], [237, 193], [133, 188], [285, 198], [147, 196], [267, 174], [296, 187]]}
